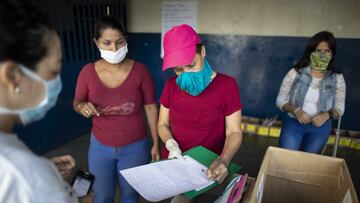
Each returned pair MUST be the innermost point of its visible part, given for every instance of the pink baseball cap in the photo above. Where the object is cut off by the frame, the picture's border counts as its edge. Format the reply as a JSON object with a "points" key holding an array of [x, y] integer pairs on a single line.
{"points": [[179, 46]]}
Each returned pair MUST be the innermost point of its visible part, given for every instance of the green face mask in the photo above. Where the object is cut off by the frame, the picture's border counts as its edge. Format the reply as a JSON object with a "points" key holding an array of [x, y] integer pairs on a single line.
{"points": [[320, 61]]}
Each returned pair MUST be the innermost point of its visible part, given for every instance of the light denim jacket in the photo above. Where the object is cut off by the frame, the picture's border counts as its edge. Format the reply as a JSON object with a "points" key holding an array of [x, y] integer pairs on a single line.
{"points": [[302, 84]]}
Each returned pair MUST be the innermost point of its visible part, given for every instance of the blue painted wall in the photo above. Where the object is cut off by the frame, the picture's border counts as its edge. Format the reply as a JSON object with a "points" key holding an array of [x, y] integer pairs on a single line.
{"points": [[258, 64]]}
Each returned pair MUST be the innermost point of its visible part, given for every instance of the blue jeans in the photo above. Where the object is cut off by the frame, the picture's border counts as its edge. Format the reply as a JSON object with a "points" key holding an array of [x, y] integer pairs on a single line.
{"points": [[304, 137], [105, 163]]}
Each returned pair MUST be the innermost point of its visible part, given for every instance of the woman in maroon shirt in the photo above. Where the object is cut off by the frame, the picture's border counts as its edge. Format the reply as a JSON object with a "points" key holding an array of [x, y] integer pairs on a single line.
{"points": [[113, 91], [198, 106]]}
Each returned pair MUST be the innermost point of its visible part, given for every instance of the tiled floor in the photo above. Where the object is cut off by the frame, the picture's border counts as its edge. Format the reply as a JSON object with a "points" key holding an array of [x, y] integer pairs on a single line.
{"points": [[249, 157]]}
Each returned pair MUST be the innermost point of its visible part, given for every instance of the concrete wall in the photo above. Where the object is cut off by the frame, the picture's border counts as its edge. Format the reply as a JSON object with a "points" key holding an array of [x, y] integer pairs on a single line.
{"points": [[257, 42], [257, 17]]}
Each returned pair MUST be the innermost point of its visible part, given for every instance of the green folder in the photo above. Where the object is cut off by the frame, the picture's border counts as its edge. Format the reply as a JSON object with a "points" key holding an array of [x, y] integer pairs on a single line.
{"points": [[206, 157]]}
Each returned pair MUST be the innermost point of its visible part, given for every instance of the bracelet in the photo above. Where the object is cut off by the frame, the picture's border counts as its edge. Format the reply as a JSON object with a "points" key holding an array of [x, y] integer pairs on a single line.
{"points": [[222, 161], [296, 110]]}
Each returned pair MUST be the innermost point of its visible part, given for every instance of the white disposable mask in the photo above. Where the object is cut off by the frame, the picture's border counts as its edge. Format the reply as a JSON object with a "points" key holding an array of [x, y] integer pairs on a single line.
{"points": [[114, 57], [52, 91]]}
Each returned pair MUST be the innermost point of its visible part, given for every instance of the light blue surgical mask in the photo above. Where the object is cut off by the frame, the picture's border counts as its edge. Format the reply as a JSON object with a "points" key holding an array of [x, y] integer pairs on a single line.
{"points": [[195, 82], [52, 91]]}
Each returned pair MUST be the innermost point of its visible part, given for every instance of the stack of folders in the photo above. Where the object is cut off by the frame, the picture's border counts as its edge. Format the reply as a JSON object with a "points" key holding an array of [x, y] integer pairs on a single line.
{"points": [[237, 190]]}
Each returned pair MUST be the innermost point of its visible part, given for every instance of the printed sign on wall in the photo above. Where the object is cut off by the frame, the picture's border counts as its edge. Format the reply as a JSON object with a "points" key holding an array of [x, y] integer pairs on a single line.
{"points": [[177, 12]]}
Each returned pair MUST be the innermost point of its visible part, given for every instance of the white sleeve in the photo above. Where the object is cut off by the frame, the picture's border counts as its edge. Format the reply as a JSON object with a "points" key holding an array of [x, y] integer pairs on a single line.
{"points": [[56, 190], [13, 188], [285, 88], [339, 103], [41, 183], [28, 178]]}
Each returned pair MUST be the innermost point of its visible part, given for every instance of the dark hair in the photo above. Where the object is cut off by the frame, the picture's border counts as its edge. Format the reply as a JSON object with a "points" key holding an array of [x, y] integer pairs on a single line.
{"points": [[24, 32], [108, 22], [199, 48], [314, 41]]}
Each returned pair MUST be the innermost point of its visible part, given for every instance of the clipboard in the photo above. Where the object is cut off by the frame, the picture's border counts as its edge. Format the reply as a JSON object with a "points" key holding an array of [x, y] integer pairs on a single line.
{"points": [[206, 157]]}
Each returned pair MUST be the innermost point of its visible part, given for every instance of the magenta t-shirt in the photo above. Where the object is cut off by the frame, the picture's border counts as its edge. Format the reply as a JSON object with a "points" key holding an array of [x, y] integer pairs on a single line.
{"points": [[121, 121], [200, 120]]}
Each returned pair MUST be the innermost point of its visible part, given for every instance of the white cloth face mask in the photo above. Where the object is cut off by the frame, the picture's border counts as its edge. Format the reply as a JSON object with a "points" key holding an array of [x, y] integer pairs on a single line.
{"points": [[114, 57]]}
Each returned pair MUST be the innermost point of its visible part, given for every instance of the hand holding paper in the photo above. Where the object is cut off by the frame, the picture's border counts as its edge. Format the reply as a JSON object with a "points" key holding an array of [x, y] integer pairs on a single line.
{"points": [[168, 178], [164, 179], [218, 170]]}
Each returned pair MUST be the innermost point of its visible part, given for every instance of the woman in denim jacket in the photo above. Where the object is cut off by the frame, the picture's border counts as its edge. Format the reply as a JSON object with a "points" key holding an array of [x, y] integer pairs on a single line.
{"points": [[313, 93]]}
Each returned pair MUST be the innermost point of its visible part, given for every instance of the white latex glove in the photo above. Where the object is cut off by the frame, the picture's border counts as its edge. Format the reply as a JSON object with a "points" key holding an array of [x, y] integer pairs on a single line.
{"points": [[174, 150]]}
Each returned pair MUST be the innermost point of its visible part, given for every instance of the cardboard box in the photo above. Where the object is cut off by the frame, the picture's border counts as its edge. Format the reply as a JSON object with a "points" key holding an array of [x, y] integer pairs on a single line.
{"points": [[288, 176]]}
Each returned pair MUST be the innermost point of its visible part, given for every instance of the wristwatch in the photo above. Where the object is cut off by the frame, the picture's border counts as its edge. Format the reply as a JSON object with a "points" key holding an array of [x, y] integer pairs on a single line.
{"points": [[331, 114]]}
